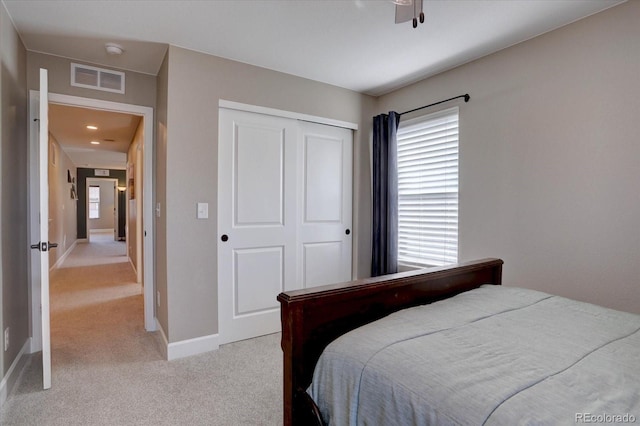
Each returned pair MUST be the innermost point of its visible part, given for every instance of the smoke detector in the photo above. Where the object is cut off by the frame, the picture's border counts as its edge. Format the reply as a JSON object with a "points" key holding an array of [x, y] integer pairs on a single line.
{"points": [[113, 49]]}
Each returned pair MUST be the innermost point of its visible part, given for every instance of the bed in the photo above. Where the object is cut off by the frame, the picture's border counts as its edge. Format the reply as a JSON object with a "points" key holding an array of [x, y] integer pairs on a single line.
{"points": [[451, 346]]}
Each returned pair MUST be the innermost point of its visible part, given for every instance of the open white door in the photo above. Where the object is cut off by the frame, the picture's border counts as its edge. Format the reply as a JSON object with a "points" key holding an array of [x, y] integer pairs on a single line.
{"points": [[43, 245]]}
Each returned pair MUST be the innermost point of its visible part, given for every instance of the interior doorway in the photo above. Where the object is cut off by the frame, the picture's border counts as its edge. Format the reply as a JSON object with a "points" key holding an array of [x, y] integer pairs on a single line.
{"points": [[144, 255], [103, 209]]}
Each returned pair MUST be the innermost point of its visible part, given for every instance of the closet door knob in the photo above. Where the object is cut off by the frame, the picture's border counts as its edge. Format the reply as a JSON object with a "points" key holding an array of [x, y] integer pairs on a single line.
{"points": [[224, 238], [348, 231]]}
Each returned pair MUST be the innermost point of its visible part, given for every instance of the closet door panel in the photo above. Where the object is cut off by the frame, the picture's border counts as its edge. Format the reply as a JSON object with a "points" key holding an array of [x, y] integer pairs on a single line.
{"points": [[257, 212], [324, 233], [317, 261], [258, 176], [257, 265], [323, 179]]}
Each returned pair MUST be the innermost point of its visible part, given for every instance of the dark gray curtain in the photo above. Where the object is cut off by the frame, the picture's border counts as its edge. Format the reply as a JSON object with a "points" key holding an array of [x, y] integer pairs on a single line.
{"points": [[384, 256]]}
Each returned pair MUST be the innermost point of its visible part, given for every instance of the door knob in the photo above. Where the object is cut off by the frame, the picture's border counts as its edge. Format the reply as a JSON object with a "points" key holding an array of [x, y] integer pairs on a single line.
{"points": [[348, 231], [42, 246], [224, 238]]}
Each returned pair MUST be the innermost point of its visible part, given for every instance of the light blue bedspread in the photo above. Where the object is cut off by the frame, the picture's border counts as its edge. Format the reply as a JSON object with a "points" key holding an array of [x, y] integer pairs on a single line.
{"points": [[494, 355]]}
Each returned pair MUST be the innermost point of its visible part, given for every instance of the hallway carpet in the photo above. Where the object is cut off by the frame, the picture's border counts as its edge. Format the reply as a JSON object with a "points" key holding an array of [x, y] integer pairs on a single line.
{"points": [[107, 370]]}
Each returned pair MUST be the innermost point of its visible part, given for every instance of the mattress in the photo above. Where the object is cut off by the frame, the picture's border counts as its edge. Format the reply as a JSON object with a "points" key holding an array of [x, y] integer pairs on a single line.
{"points": [[493, 355]]}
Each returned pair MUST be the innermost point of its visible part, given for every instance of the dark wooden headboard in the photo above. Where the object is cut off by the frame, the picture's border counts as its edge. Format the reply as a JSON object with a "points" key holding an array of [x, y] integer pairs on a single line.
{"points": [[313, 318]]}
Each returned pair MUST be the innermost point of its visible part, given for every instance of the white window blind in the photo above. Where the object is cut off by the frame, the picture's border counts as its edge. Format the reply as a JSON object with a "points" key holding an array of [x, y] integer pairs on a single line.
{"points": [[428, 190], [94, 202]]}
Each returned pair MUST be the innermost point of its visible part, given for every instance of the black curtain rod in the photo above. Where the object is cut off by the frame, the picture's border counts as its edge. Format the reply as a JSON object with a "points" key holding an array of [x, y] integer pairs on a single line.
{"points": [[466, 99]]}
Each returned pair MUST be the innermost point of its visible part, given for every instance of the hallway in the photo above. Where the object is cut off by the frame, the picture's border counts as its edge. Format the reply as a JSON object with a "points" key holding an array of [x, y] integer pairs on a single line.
{"points": [[97, 340], [97, 308], [107, 370]]}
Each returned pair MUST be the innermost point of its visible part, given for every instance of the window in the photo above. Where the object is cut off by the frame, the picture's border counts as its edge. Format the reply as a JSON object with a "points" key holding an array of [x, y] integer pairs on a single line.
{"points": [[428, 190], [94, 202]]}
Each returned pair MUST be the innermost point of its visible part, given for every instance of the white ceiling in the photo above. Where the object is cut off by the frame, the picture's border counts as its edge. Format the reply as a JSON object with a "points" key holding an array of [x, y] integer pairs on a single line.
{"points": [[348, 43], [115, 133], [353, 44]]}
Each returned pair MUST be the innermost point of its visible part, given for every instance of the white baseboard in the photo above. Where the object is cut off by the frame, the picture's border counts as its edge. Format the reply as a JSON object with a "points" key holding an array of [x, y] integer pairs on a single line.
{"points": [[10, 379], [64, 256], [82, 240], [188, 347], [195, 346]]}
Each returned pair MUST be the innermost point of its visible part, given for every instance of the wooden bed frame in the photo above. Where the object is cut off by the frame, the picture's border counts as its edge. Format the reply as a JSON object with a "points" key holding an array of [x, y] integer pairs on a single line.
{"points": [[312, 318]]}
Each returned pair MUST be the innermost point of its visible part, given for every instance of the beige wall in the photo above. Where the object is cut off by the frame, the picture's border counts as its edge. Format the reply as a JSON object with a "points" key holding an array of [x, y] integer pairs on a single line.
{"points": [[134, 212], [14, 284], [160, 275], [195, 84], [140, 88], [62, 209], [550, 159]]}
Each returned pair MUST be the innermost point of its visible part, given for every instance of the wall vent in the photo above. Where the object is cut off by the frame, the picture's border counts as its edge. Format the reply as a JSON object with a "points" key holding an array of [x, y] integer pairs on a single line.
{"points": [[97, 78]]}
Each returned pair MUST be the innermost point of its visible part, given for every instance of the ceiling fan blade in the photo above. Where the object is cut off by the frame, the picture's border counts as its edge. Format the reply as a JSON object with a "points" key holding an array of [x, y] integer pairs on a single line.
{"points": [[406, 13]]}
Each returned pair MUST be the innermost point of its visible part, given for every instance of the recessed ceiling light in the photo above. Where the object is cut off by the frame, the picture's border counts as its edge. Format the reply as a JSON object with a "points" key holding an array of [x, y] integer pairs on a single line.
{"points": [[90, 127], [95, 143]]}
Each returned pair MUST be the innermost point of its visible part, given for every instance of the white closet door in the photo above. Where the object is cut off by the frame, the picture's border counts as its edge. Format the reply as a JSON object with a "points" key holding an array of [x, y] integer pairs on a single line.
{"points": [[324, 229], [256, 221], [284, 215]]}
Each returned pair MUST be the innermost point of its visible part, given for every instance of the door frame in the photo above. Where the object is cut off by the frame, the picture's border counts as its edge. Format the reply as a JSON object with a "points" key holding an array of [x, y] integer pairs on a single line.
{"points": [[148, 231]]}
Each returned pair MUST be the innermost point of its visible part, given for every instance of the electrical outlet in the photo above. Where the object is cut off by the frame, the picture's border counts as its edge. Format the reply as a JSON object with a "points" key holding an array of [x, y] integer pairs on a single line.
{"points": [[158, 298], [6, 339]]}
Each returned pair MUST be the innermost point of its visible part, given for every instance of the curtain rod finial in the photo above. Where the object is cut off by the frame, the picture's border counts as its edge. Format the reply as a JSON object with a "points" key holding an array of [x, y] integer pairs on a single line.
{"points": [[467, 97]]}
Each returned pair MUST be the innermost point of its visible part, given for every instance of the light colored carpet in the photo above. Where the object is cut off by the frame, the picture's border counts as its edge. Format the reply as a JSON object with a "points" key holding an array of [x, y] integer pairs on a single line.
{"points": [[108, 371]]}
